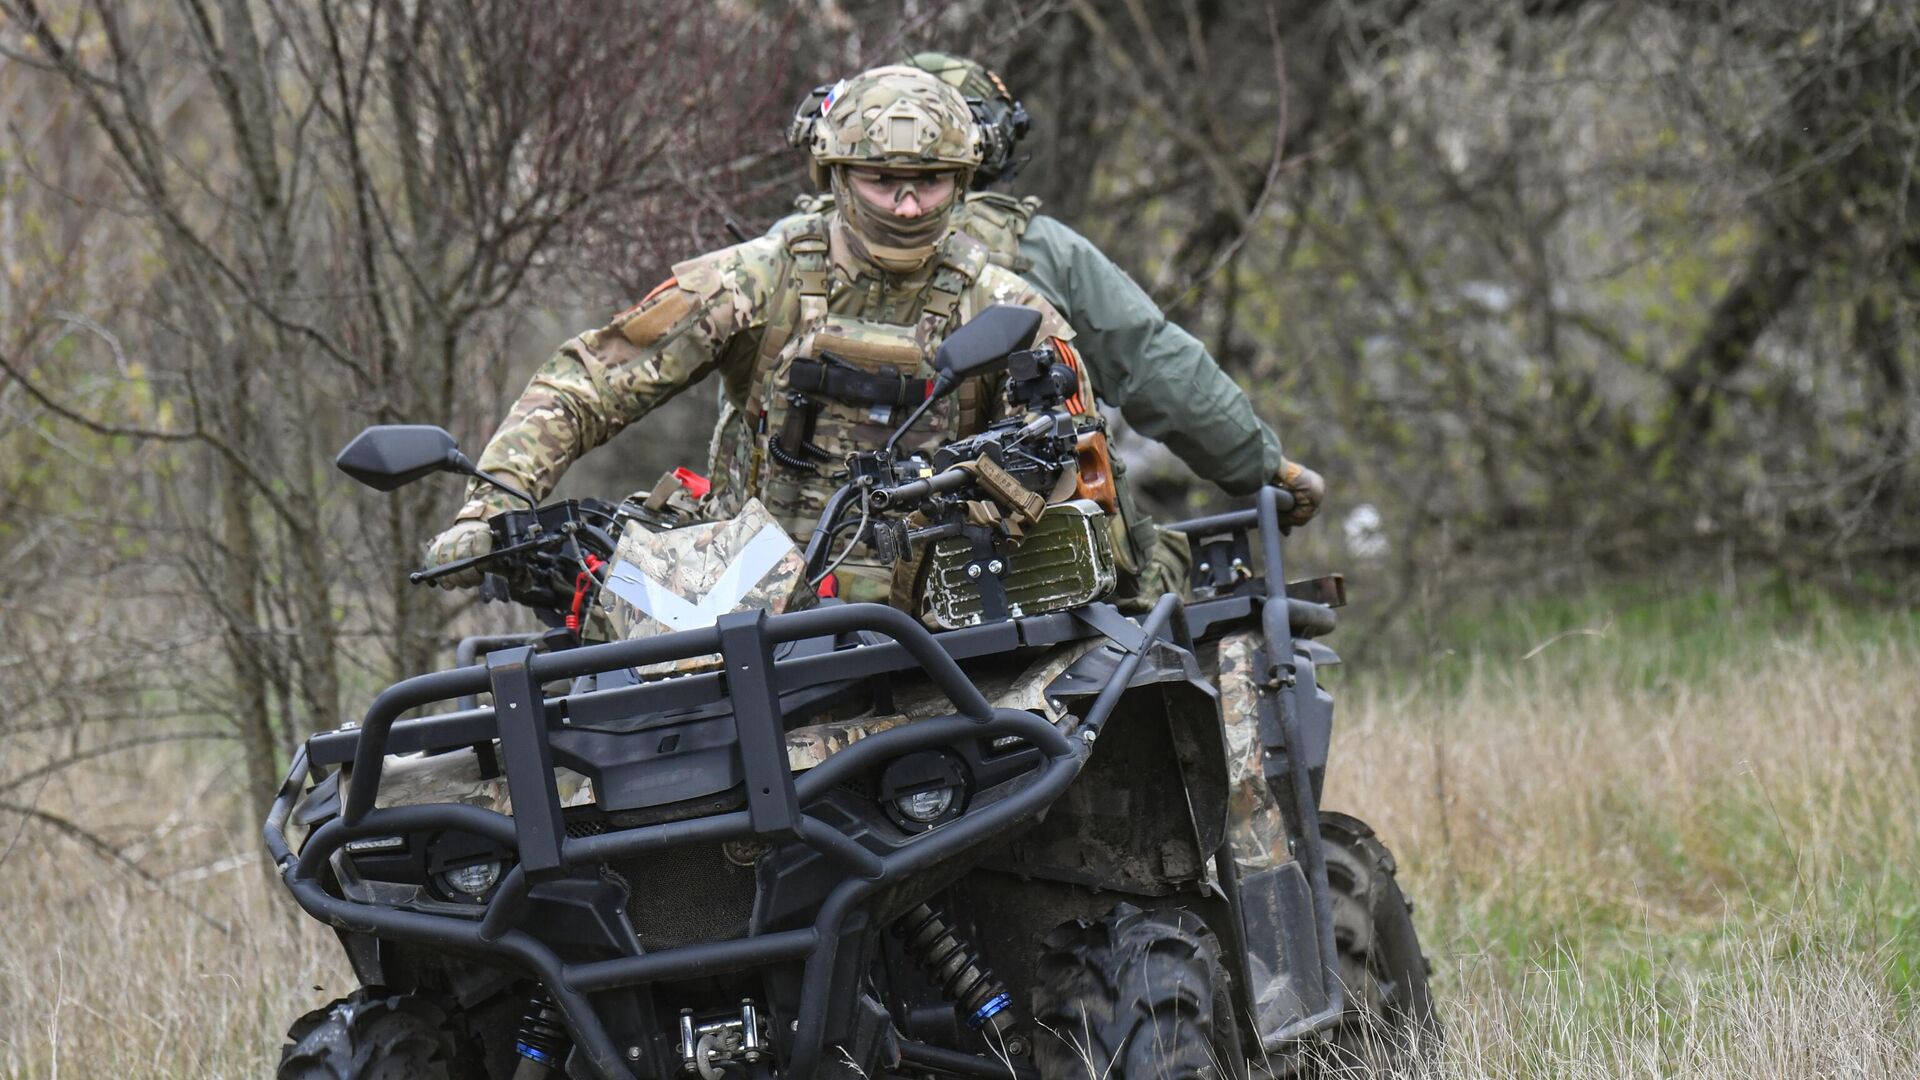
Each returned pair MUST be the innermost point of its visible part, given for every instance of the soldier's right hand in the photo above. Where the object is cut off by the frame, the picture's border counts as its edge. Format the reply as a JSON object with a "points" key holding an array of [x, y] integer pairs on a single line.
{"points": [[466, 540], [1307, 488]]}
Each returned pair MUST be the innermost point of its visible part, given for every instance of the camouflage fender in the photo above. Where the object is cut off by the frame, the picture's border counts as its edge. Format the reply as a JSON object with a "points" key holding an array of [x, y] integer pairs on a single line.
{"points": [[1256, 831], [418, 779]]}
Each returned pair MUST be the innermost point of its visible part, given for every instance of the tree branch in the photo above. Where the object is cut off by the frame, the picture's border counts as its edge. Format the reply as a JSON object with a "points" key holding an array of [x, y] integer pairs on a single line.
{"points": [[107, 851]]}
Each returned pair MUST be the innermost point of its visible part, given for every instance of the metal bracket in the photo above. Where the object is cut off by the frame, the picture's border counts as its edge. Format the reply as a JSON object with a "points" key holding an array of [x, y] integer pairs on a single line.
{"points": [[1107, 620], [704, 1046], [758, 723], [993, 592], [519, 711]]}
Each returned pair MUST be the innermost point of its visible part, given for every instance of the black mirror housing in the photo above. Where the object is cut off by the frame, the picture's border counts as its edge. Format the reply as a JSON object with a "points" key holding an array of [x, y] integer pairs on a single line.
{"points": [[982, 345], [389, 456]]}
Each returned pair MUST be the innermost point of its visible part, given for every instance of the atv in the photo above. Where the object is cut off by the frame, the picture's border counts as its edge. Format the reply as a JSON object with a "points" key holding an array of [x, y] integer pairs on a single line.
{"points": [[714, 821]]}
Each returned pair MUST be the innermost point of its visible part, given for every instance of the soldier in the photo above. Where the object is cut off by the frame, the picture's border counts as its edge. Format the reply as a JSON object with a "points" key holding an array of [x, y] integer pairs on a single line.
{"points": [[878, 277], [1165, 384], [1160, 377], [877, 281]]}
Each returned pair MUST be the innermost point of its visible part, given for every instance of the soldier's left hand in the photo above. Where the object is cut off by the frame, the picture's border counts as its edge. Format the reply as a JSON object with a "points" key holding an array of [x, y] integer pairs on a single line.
{"points": [[465, 540], [1307, 487]]}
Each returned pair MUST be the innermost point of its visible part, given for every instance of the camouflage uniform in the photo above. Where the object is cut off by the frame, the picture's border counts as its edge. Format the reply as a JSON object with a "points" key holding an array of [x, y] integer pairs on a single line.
{"points": [[715, 315], [815, 288], [1169, 388]]}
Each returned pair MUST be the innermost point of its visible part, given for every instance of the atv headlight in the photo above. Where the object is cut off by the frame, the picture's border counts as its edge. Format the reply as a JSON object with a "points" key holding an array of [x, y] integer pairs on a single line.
{"points": [[923, 790], [473, 880], [926, 807]]}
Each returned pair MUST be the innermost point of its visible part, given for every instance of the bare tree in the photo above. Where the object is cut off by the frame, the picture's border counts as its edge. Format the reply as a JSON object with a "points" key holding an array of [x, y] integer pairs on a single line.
{"points": [[344, 203], [1615, 280]]}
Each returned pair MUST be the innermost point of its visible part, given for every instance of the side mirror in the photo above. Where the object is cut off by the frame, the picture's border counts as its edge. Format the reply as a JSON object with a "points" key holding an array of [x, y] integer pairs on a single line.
{"points": [[983, 344], [980, 347], [392, 455]]}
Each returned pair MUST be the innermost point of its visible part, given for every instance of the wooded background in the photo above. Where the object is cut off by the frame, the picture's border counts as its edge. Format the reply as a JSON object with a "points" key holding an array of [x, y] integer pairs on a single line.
{"points": [[1544, 289]]}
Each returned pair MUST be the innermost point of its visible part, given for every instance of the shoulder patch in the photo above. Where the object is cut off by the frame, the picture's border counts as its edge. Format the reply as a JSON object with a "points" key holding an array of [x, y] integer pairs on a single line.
{"points": [[650, 321], [657, 290]]}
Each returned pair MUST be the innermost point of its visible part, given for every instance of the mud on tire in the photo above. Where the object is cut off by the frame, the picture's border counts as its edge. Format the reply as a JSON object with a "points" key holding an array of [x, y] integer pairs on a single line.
{"points": [[375, 1035], [1137, 995], [1389, 1028]]}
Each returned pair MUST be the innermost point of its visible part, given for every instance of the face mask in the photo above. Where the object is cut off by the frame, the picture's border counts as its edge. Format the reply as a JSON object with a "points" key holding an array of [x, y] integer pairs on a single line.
{"points": [[894, 243]]}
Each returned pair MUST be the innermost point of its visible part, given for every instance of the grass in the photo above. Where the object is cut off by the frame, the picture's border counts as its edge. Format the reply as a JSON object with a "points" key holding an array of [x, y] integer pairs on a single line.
{"points": [[190, 966], [1678, 840], [1650, 835]]}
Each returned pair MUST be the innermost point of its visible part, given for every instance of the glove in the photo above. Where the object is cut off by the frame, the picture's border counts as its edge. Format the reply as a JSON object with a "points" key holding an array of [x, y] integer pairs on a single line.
{"points": [[1307, 488], [466, 540]]}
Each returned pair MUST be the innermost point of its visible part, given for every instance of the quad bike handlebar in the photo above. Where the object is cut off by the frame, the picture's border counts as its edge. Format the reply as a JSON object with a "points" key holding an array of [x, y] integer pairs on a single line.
{"points": [[540, 556]]}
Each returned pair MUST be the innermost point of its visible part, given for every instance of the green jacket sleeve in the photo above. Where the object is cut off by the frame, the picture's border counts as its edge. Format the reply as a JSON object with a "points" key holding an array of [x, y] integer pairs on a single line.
{"points": [[1159, 376]]}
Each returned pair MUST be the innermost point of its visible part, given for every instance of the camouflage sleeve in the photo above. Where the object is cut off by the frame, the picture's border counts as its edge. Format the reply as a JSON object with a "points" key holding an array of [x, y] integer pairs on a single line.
{"points": [[1159, 376], [603, 380]]}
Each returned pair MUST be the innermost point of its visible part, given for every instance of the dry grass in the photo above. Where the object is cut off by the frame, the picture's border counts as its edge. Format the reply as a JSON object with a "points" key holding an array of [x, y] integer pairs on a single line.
{"points": [[1685, 847], [105, 973]]}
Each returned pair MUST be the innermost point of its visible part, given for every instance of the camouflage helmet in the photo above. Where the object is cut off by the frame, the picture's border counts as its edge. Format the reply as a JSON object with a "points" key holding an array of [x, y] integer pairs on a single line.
{"points": [[894, 117], [1003, 120]]}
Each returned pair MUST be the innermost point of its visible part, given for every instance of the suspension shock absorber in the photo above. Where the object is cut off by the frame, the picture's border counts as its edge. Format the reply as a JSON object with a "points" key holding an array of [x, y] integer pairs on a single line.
{"points": [[542, 1043], [962, 975]]}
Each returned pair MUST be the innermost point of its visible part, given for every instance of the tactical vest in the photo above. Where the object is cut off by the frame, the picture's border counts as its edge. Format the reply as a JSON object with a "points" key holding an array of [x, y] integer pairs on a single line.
{"points": [[1000, 221], [825, 384]]}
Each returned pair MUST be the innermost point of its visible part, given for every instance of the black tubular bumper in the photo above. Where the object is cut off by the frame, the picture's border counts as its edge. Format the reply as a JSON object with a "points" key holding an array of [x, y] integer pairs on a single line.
{"points": [[776, 810]]}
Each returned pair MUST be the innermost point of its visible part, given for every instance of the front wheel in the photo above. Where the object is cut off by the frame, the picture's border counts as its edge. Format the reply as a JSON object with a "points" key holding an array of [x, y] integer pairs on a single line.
{"points": [[375, 1035], [1137, 995], [1389, 1028]]}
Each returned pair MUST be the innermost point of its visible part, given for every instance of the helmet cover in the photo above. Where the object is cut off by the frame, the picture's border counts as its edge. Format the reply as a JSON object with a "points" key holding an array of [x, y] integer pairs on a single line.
{"points": [[898, 118]]}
